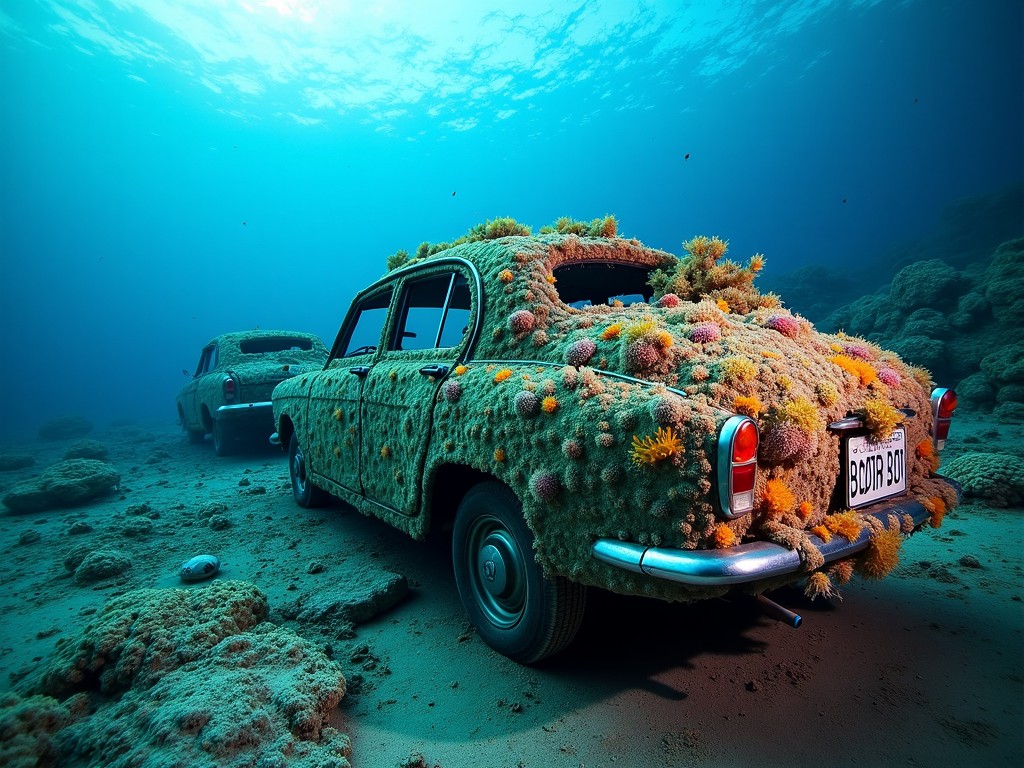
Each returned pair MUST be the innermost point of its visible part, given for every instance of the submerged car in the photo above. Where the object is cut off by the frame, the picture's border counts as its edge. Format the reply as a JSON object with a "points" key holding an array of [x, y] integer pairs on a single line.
{"points": [[587, 411], [229, 393]]}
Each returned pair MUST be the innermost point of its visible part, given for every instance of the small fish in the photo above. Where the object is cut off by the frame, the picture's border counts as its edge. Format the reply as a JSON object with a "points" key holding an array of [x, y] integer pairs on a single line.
{"points": [[243, 223], [686, 156], [453, 194], [844, 199], [199, 567]]}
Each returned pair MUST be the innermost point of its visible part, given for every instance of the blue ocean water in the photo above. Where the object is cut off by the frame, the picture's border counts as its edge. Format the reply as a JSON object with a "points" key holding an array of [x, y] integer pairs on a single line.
{"points": [[173, 170]]}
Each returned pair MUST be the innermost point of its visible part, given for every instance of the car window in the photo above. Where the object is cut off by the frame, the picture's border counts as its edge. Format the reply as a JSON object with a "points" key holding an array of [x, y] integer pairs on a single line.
{"points": [[205, 358], [582, 284], [264, 344], [369, 324], [435, 313]]}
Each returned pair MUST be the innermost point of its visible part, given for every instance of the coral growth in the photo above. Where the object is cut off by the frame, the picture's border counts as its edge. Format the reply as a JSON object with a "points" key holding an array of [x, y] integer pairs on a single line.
{"points": [[580, 352], [882, 554], [777, 498], [650, 450], [787, 325]]}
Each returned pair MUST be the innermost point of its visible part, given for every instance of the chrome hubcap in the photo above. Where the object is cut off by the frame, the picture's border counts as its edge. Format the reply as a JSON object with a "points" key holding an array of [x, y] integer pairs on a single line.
{"points": [[497, 571], [299, 471]]}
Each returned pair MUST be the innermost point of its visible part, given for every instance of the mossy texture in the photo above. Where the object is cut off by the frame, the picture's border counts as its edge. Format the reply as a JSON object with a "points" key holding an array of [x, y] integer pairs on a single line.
{"points": [[604, 419]]}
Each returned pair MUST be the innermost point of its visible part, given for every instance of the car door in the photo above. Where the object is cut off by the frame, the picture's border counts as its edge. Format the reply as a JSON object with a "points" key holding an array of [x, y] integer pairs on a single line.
{"points": [[332, 448], [429, 331], [190, 398]]}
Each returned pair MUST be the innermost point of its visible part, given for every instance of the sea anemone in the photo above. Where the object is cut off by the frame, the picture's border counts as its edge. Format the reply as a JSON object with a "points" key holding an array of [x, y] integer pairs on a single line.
{"points": [[842, 570], [669, 300], [889, 377], [822, 532], [724, 537], [521, 321], [650, 450], [705, 333], [778, 499], [641, 356], [787, 325], [820, 585], [527, 404], [452, 390], [882, 554], [612, 331], [545, 485], [580, 352]]}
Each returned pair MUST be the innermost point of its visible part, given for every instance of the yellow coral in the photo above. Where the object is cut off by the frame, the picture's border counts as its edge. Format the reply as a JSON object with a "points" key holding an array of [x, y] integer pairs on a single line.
{"points": [[826, 392], [505, 275], [337, 414], [499, 455], [549, 404], [460, 369], [738, 369], [882, 554], [846, 524], [756, 262], [724, 537], [501, 375], [748, 406], [663, 339], [881, 418], [611, 331], [800, 412], [862, 369], [777, 498], [822, 532], [639, 330], [723, 305], [820, 585], [551, 279], [665, 444], [385, 452], [769, 354]]}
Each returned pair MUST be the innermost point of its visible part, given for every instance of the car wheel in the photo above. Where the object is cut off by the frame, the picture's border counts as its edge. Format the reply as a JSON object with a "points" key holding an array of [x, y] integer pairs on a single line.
{"points": [[515, 608], [306, 494], [223, 438], [195, 436]]}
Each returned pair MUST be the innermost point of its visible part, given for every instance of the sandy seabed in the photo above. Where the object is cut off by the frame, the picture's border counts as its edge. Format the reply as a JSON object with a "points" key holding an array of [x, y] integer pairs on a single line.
{"points": [[925, 668]]}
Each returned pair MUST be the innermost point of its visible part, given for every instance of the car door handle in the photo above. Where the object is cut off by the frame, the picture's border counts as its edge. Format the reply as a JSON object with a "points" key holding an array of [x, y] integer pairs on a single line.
{"points": [[359, 370], [434, 370]]}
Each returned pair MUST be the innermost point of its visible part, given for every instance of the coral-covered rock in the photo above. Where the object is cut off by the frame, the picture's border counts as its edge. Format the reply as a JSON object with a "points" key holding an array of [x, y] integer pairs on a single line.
{"points": [[102, 564], [87, 449], [930, 283], [197, 677], [350, 601], [11, 461], [62, 485], [65, 427], [705, 333], [998, 478]]}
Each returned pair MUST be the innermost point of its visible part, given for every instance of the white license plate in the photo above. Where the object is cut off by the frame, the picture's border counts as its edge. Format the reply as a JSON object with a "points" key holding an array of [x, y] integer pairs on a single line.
{"points": [[875, 469]]}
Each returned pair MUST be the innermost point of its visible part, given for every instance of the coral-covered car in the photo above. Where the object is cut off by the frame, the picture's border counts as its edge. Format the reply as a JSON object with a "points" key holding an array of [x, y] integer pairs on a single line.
{"points": [[579, 409], [229, 393]]}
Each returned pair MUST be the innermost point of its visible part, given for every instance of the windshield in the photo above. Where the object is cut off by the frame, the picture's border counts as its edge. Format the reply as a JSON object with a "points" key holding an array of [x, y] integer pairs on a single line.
{"points": [[583, 284]]}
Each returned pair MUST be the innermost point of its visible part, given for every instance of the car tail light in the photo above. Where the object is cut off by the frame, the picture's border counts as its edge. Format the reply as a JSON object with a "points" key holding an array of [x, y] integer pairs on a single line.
{"points": [[737, 465], [943, 408], [229, 388]]}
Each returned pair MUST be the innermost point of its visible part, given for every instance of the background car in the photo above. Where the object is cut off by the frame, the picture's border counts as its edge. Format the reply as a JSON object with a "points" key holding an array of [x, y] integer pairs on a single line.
{"points": [[229, 394], [587, 411]]}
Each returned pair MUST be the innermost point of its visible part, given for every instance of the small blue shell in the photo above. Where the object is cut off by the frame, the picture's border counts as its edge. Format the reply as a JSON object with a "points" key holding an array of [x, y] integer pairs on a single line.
{"points": [[199, 567]]}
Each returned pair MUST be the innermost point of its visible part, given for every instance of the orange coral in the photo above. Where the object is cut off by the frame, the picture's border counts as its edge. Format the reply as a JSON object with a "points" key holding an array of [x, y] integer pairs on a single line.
{"points": [[723, 305], [551, 279], [778, 499], [842, 570], [460, 369], [862, 369], [501, 375], [549, 404], [505, 275], [822, 532], [724, 537], [756, 263], [882, 554], [771, 355], [611, 331], [499, 455], [748, 406], [650, 450], [936, 508], [820, 585], [925, 450], [805, 510], [846, 524]]}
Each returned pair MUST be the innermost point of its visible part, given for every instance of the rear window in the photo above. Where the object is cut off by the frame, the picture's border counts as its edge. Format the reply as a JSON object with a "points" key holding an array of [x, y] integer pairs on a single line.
{"points": [[584, 284], [267, 344]]}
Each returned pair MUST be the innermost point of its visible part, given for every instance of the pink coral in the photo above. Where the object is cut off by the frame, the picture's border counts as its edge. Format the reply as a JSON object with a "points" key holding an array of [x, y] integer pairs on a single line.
{"points": [[545, 485], [859, 351], [668, 410], [889, 377], [572, 449], [641, 356], [527, 404], [669, 300], [787, 325], [703, 333], [452, 390], [786, 442], [580, 352], [521, 321]]}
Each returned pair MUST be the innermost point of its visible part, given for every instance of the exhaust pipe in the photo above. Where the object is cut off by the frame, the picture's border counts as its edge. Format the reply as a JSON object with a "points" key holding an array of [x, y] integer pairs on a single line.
{"points": [[773, 610]]}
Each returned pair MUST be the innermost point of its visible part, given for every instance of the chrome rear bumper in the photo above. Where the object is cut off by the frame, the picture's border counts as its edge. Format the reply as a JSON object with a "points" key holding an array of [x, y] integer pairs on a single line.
{"points": [[744, 563]]}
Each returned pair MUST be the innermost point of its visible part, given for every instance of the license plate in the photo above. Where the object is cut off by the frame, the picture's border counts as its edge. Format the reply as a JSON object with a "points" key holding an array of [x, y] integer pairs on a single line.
{"points": [[875, 469]]}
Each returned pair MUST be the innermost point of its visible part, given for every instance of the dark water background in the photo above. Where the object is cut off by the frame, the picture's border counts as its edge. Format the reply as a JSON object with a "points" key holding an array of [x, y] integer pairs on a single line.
{"points": [[172, 171]]}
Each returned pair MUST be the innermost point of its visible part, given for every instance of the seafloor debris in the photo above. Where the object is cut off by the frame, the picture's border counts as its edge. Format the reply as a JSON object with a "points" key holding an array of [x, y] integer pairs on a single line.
{"points": [[62, 485]]}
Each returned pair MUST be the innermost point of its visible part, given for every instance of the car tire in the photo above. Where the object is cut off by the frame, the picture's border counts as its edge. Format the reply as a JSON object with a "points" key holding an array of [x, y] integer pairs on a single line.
{"points": [[223, 438], [195, 436], [515, 608], [306, 494]]}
